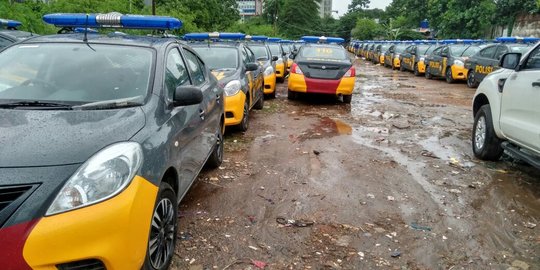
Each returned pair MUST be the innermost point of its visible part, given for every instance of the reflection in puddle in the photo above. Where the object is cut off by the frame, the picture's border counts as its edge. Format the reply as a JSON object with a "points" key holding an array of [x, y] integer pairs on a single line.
{"points": [[325, 128]]}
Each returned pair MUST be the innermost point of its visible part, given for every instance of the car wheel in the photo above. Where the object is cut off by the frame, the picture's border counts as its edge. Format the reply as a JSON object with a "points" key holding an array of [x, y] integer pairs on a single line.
{"points": [[216, 158], [347, 99], [428, 74], [449, 78], [273, 94], [163, 229], [244, 125], [486, 144], [471, 82], [281, 80], [401, 68], [260, 103], [291, 95], [416, 72]]}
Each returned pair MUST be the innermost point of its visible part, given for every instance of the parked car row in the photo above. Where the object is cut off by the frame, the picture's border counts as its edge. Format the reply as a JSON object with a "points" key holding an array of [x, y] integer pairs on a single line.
{"points": [[454, 60]]}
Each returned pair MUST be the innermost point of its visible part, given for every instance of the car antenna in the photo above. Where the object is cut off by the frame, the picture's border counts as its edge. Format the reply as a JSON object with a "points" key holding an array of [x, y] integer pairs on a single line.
{"points": [[85, 39]]}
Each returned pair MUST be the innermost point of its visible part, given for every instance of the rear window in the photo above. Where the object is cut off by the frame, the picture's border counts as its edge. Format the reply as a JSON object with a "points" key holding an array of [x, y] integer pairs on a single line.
{"points": [[218, 58], [324, 53]]}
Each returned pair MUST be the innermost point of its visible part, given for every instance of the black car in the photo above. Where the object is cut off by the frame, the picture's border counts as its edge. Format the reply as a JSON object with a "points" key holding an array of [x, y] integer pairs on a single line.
{"points": [[487, 60], [102, 136], [413, 58], [448, 60]]}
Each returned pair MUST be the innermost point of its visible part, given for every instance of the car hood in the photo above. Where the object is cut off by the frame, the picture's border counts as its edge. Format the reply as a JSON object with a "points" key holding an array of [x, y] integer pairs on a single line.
{"points": [[32, 138], [222, 75]]}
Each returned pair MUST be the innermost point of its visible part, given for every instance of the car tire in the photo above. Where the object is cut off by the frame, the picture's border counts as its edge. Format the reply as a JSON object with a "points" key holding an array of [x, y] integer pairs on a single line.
{"points": [[163, 229], [281, 80], [273, 94], [471, 82], [448, 75], [428, 73], [401, 68], [485, 143], [291, 95], [347, 99], [244, 125], [416, 71], [260, 103], [216, 158]]}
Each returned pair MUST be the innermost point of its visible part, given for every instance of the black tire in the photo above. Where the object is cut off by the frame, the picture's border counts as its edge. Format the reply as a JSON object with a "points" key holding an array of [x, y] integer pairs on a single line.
{"points": [[485, 143], [448, 75], [347, 99], [415, 70], [471, 81], [401, 68], [163, 229], [291, 95], [244, 125], [260, 103], [216, 158], [428, 73], [281, 80], [273, 94]]}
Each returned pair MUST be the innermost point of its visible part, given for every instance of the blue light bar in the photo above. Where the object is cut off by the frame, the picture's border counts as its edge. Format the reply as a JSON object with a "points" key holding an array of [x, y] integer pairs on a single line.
{"points": [[258, 38], [112, 20], [531, 39], [285, 41], [215, 35], [274, 40], [87, 30], [314, 39], [9, 23]]}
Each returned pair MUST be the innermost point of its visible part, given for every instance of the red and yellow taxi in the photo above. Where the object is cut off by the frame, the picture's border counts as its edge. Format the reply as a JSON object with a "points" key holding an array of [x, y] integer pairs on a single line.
{"points": [[322, 67]]}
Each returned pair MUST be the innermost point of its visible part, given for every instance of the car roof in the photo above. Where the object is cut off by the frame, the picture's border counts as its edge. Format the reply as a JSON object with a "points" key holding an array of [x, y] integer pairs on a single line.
{"points": [[113, 38], [16, 34], [222, 44]]}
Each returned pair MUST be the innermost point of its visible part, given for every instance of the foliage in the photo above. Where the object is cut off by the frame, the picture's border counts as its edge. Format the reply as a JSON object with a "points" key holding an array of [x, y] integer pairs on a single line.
{"points": [[253, 26], [367, 29], [357, 5], [299, 18]]}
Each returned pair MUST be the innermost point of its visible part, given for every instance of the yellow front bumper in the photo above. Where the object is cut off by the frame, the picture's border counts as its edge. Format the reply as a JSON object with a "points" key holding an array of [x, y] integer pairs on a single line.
{"points": [[234, 109], [270, 83], [421, 67], [397, 63], [459, 73], [280, 70], [381, 59], [115, 231]]}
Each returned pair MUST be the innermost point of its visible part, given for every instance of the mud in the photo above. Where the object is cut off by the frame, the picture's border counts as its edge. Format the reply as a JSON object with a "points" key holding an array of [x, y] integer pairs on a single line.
{"points": [[389, 181]]}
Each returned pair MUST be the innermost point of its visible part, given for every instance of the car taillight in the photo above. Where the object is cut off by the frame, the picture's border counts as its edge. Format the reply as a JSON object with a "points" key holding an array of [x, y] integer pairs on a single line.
{"points": [[350, 73], [296, 69]]}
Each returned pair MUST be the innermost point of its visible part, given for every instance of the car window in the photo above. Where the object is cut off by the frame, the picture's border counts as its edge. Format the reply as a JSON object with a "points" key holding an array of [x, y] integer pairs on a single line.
{"points": [[488, 52], [324, 52], [244, 56], [437, 51], [195, 68], [470, 51], [218, 57], [176, 73], [533, 62], [260, 52], [500, 51], [250, 55], [4, 42], [275, 49]]}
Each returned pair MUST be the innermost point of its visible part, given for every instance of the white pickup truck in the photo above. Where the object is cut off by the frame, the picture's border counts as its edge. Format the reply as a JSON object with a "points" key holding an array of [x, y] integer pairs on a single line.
{"points": [[506, 110]]}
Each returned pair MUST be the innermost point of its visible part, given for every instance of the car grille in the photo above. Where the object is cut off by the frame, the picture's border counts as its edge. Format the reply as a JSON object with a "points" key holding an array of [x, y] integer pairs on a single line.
{"points": [[11, 197], [92, 264]]}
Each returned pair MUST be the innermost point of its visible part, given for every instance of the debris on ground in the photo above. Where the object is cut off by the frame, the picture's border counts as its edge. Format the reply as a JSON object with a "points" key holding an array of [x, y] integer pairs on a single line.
{"points": [[316, 152], [294, 222], [258, 264], [426, 153], [395, 254], [529, 225], [420, 227]]}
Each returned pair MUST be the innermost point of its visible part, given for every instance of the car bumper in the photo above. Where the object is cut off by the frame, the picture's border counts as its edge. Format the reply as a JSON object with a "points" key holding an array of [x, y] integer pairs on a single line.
{"points": [[270, 83], [100, 231], [381, 60], [397, 63], [299, 83], [234, 109], [459, 73], [280, 70], [421, 67]]}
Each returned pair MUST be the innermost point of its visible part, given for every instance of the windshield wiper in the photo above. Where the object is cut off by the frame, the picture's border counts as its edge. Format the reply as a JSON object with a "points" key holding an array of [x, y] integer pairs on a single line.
{"points": [[111, 104], [36, 104]]}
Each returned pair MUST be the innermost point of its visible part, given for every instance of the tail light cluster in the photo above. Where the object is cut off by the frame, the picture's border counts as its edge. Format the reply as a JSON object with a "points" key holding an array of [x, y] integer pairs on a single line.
{"points": [[296, 69], [350, 73]]}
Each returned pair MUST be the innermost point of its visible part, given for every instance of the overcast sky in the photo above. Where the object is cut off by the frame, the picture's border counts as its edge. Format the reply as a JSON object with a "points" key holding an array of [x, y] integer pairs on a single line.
{"points": [[341, 5]]}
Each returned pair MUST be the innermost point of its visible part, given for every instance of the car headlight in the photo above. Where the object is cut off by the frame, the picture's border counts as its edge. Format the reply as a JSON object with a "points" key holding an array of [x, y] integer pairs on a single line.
{"points": [[279, 61], [397, 55], [232, 88], [422, 59], [103, 176], [268, 71], [459, 63]]}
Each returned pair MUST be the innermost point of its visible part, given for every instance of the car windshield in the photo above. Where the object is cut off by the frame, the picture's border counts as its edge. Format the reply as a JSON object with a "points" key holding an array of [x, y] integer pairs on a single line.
{"points": [[286, 49], [322, 52], [384, 48], [259, 51], [457, 50], [274, 48], [425, 49], [218, 57], [74, 73], [400, 48], [471, 50], [519, 48]]}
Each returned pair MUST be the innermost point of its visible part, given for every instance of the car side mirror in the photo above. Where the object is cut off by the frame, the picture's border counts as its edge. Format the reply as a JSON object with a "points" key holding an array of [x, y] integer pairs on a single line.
{"points": [[274, 58], [187, 95], [444, 55], [252, 67], [292, 56], [510, 60]]}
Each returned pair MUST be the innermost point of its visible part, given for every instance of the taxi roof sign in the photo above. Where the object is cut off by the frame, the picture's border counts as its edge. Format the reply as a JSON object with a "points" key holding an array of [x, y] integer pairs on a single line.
{"points": [[323, 39], [10, 24], [112, 20]]}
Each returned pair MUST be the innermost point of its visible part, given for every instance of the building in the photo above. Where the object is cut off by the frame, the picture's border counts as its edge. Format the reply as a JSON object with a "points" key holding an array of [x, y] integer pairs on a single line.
{"points": [[250, 7], [325, 8]]}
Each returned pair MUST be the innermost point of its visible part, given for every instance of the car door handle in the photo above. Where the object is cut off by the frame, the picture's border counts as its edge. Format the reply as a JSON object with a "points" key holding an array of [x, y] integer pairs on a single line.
{"points": [[218, 98], [201, 113], [536, 84]]}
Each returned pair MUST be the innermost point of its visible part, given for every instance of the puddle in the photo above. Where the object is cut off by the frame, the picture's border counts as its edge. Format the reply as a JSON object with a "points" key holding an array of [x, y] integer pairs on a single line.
{"points": [[326, 128]]}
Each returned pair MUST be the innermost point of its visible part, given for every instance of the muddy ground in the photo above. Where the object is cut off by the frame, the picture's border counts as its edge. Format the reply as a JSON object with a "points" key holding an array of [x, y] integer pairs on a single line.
{"points": [[389, 182]]}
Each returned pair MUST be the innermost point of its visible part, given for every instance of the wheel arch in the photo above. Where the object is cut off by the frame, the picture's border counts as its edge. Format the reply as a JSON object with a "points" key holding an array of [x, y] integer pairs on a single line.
{"points": [[479, 101], [171, 177]]}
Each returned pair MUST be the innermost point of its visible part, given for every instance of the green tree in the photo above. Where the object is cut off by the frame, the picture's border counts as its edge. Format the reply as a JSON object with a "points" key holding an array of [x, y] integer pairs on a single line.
{"points": [[208, 15], [356, 5], [508, 10], [367, 29], [298, 18]]}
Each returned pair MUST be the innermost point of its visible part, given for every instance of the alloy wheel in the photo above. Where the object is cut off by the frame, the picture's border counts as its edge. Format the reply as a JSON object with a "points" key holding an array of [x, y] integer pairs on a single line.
{"points": [[161, 245], [480, 133]]}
